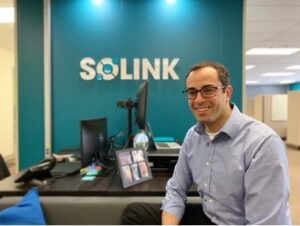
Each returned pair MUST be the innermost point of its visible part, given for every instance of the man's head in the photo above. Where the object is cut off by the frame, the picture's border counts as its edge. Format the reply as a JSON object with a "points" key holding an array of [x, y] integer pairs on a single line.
{"points": [[209, 91]]}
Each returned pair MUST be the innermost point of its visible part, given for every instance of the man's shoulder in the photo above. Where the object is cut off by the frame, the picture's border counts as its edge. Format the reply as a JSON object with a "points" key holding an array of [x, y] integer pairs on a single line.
{"points": [[255, 126]]}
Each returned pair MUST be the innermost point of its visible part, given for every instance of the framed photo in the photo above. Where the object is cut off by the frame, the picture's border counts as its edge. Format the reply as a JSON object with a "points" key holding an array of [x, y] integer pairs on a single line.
{"points": [[133, 166]]}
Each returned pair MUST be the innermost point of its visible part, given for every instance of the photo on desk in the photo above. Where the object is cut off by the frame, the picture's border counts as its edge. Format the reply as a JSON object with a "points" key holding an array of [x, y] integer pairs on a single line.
{"points": [[138, 155], [133, 166]]}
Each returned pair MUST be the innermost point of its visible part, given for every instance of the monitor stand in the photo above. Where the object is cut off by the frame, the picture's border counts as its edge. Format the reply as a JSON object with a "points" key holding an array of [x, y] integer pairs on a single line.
{"points": [[107, 166]]}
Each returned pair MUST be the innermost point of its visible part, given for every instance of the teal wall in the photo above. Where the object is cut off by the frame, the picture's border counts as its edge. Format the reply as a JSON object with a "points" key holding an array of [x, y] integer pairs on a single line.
{"points": [[30, 81], [192, 30], [295, 86]]}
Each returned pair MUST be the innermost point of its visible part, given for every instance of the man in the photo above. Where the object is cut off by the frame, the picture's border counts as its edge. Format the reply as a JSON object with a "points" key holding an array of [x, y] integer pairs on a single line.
{"points": [[238, 164]]}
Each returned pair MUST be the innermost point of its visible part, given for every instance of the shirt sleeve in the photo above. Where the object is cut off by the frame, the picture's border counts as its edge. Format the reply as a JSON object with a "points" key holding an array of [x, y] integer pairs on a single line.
{"points": [[267, 184], [178, 185]]}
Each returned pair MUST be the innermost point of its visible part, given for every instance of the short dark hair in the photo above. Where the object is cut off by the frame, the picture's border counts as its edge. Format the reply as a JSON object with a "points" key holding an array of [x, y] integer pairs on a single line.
{"points": [[223, 73]]}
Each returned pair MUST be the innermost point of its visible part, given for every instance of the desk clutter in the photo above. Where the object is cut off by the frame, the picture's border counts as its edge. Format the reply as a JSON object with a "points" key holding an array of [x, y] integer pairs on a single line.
{"points": [[96, 169]]}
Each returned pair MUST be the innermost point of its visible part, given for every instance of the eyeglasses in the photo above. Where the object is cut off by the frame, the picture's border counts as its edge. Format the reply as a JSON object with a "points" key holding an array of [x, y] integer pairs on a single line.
{"points": [[206, 92]]}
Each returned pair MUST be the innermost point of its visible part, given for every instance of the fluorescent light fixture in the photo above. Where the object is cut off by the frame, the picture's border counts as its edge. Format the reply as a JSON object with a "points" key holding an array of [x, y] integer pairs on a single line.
{"points": [[272, 51], [286, 81], [275, 74], [170, 2], [293, 67], [97, 2], [252, 82], [7, 15], [249, 67]]}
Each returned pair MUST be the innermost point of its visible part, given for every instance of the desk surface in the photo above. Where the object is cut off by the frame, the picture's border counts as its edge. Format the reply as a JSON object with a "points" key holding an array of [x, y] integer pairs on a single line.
{"points": [[110, 185]]}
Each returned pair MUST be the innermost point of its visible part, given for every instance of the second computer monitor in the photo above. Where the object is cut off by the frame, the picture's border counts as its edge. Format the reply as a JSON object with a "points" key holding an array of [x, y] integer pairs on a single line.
{"points": [[141, 105], [93, 140]]}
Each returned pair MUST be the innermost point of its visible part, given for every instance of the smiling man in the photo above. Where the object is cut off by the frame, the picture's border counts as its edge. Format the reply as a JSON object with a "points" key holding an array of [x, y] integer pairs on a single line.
{"points": [[238, 164]]}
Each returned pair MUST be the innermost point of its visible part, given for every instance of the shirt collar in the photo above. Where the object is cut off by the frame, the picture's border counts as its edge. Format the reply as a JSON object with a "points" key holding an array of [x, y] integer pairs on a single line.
{"points": [[231, 126]]}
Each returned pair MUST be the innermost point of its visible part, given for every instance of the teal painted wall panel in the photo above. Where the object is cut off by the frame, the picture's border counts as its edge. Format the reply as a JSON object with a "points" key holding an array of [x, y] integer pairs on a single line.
{"points": [[192, 30], [295, 86], [30, 81]]}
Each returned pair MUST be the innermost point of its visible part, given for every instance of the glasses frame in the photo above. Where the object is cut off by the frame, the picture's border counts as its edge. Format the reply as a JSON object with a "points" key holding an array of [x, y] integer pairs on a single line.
{"points": [[186, 94]]}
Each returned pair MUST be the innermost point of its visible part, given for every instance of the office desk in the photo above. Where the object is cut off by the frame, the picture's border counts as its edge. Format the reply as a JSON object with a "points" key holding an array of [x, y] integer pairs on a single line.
{"points": [[68, 186], [110, 185]]}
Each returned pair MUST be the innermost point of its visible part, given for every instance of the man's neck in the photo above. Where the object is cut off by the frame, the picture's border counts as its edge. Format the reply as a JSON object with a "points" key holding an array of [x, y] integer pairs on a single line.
{"points": [[216, 126]]}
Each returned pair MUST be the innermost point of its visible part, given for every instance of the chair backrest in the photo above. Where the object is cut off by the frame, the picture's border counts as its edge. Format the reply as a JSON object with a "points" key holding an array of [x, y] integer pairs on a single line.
{"points": [[4, 172]]}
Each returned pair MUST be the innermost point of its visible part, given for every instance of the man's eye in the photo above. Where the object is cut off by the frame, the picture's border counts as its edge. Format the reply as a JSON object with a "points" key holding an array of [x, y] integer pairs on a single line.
{"points": [[192, 92], [208, 89]]}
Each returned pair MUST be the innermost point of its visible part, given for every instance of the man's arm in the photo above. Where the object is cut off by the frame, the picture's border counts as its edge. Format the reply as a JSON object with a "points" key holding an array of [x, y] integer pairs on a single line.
{"points": [[168, 219], [173, 205], [267, 185]]}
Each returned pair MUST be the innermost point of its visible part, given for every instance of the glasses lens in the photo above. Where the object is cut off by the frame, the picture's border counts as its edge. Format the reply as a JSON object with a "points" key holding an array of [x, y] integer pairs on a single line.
{"points": [[192, 93], [209, 91], [189, 93]]}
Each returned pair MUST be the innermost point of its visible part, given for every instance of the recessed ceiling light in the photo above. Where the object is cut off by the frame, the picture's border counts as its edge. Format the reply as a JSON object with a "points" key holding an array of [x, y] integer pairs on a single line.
{"points": [[170, 2], [293, 67], [7, 15], [286, 81], [252, 82], [278, 74], [272, 51], [249, 67], [98, 2]]}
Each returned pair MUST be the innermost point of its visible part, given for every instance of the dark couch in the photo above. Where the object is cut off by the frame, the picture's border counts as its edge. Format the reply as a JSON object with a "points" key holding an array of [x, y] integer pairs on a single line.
{"points": [[86, 210]]}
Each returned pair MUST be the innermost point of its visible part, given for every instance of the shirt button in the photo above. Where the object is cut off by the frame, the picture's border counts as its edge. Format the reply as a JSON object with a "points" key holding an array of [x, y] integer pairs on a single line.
{"points": [[205, 184], [207, 163], [210, 200]]}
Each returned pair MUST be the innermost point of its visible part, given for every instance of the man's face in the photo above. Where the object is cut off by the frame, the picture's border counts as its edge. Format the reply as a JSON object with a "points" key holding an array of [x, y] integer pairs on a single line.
{"points": [[211, 111]]}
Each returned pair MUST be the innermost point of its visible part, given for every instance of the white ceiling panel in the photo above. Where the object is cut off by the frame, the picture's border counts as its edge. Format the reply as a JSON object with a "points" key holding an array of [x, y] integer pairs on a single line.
{"points": [[268, 26], [272, 23], [273, 2]]}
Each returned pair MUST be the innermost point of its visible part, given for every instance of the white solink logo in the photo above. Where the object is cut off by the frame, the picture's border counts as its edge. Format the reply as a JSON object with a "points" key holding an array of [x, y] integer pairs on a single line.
{"points": [[110, 68]]}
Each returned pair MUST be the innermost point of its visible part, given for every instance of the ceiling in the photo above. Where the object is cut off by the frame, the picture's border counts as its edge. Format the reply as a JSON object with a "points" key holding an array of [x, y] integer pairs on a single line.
{"points": [[269, 23], [272, 23]]}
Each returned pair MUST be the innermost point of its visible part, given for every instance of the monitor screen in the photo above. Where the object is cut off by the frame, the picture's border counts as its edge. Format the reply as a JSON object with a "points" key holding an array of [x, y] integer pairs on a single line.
{"points": [[93, 140], [141, 105]]}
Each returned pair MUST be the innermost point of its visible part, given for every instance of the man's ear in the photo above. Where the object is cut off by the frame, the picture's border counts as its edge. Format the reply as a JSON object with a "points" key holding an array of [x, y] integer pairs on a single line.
{"points": [[228, 93]]}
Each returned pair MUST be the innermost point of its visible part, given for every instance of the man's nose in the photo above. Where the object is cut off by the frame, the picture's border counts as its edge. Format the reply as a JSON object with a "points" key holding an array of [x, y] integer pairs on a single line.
{"points": [[199, 97]]}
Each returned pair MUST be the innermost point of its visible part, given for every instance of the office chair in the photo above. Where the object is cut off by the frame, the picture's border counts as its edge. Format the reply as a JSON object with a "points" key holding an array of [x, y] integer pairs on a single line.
{"points": [[4, 172]]}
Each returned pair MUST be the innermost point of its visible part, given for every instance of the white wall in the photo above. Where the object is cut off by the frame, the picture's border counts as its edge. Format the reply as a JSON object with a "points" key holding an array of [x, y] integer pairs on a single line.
{"points": [[253, 91], [6, 102]]}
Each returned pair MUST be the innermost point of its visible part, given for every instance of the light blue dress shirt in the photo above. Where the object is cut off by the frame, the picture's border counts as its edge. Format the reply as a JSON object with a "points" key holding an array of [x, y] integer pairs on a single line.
{"points": [[241, 175]]}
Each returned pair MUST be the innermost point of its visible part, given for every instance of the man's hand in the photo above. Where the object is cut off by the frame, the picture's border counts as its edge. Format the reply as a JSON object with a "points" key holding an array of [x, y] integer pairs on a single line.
{"points": [[167, 219]]}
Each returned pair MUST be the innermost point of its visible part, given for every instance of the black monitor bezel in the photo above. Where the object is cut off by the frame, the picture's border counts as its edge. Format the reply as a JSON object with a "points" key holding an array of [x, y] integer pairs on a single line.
{"points": [[141, 105], [89, 126]]}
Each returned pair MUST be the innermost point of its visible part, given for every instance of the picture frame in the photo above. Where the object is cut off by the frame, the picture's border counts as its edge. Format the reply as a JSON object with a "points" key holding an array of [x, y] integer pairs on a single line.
{"points": [[133, 166]]}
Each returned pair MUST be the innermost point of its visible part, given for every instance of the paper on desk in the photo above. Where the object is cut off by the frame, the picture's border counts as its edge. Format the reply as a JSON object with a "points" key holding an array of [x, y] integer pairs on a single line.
{"points": [[62, 157]]}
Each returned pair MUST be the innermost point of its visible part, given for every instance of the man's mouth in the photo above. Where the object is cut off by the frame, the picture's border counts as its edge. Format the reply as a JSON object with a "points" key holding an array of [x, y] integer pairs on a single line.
{"points": [[201, 109]]}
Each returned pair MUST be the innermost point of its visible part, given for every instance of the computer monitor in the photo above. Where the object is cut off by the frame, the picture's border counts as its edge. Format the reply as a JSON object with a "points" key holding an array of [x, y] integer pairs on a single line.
{"points": [[141, 105], [93, 140]]}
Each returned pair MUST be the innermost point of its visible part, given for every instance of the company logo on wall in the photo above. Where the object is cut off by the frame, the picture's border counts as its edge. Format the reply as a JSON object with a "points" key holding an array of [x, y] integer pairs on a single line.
{"points": [[142, 69]]}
